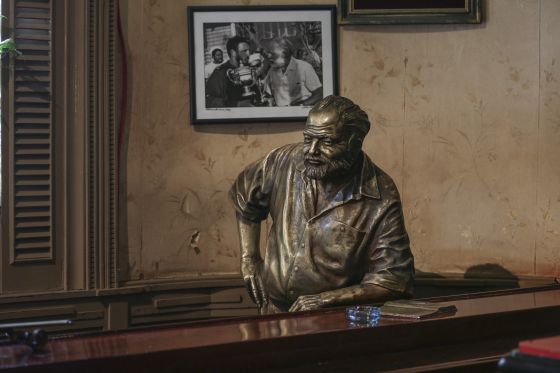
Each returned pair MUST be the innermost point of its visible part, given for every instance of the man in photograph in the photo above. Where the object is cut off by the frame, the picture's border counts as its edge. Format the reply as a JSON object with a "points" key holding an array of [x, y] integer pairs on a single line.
{"points": [[291, 81], [220, 90], [217, 60]]}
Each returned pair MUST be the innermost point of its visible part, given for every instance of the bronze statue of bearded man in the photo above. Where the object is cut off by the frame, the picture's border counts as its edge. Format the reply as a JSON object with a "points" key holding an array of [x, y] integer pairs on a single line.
{"points": [[338, 235]]}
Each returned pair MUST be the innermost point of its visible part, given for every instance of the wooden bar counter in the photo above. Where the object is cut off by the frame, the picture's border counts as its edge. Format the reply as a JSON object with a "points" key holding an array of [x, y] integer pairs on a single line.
{"points": [[485, 326]]}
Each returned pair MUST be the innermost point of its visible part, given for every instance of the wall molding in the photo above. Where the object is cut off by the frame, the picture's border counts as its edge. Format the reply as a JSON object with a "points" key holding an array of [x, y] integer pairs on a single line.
{"points": [[102, 247]]}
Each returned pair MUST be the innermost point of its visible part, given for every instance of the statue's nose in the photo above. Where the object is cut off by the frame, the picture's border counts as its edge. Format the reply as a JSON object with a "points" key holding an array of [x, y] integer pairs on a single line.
{"points": [[314, 149]]}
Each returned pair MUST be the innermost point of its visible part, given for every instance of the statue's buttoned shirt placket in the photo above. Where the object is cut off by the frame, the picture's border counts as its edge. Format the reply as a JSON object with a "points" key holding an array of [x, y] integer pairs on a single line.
{"points": [[302, 263]]}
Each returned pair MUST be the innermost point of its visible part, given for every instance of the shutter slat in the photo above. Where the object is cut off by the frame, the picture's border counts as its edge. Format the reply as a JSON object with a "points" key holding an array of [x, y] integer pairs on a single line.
{"points": [[31, 257], [32, 100], [32, 131], [30, 89], [33, 76], [34, 4], [33, 120], [25, 235], [19, 37], [33, 224], [33, 110], [34, 214], [33, 151], [36, 183], [22, 204], [23, 47], [32, 172], [32, 25], [27, 67], [45, 193], [33, 245], [24, 58], [26, 141], [41, 15]]}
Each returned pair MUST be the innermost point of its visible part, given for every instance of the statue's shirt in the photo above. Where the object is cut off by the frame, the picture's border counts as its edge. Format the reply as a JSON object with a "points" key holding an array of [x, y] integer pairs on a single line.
{"points": [[359, 237]]}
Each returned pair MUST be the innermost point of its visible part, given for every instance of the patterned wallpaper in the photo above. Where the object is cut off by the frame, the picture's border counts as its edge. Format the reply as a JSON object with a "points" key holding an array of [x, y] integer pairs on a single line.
{"points": [[466, 119]]}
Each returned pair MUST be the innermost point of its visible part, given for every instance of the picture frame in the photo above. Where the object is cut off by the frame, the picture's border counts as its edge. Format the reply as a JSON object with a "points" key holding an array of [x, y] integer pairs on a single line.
{"points": [[281, 59], [387, 12]]}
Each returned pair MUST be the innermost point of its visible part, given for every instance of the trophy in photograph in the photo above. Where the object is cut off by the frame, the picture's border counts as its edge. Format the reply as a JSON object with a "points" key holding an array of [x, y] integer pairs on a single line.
{"points": [[244, 76], [248, 76]]}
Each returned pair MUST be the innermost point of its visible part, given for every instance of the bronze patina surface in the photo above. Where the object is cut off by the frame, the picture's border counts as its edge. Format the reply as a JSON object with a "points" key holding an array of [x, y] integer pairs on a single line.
{"points": [[338, 234]]}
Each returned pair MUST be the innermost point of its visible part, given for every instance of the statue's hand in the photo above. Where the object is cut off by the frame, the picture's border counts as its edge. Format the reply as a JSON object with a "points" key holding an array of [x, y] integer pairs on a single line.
{"points": [[251, 271], [311, 302]]}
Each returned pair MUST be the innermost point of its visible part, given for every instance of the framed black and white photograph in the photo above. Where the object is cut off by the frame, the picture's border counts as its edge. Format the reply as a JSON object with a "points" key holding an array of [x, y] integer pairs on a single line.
{"points": [[260, 63]]}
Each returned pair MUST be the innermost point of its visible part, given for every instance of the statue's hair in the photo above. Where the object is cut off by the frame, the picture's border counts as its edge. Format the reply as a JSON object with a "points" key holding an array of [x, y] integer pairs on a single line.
{"points": [[350, 114]]}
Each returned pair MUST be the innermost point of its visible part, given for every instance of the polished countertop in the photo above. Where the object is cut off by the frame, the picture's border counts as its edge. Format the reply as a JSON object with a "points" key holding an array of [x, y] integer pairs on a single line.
{"points": [[286, 329]]}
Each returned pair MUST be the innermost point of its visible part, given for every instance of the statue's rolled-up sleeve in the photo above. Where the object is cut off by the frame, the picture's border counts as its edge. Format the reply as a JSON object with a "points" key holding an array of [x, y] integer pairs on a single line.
{"points": [[391, 264], [250, 193]]}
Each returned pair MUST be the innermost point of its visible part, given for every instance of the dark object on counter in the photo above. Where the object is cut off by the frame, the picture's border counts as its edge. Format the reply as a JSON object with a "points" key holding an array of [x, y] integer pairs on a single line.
{"points": [[399, 309], [535, 355], [13, 333], [36, 339], [413, 309], [519, 362]]}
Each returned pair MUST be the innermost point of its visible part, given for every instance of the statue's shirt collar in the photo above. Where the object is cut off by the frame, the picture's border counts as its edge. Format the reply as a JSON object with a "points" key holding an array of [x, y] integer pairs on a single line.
{"points": [[362, 184]]}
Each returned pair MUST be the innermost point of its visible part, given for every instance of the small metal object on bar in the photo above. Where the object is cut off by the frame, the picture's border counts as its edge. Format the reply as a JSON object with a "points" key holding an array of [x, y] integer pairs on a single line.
{"points": [[36, 338], [363, 315], [30, 324]]}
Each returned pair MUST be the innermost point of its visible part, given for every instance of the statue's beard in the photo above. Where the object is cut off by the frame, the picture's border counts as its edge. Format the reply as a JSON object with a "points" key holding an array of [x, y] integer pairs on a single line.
{"points": [[329, 169]]}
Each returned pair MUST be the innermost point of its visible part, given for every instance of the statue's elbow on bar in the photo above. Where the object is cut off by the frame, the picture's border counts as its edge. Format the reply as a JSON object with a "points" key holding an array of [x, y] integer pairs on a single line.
{"points": [[338, 235]]}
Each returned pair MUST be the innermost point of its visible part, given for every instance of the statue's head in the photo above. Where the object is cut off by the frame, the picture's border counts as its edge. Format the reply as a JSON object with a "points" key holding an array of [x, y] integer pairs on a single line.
{"points": [[333, 137]]}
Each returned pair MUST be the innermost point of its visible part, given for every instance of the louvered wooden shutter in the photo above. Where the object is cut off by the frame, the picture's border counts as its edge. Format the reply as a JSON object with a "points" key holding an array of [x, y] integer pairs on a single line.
{"points": [[31, 170]]}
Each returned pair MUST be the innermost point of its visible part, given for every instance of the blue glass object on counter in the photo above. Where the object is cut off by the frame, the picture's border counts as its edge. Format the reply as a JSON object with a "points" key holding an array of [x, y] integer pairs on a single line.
{"points": [[368, 315]]}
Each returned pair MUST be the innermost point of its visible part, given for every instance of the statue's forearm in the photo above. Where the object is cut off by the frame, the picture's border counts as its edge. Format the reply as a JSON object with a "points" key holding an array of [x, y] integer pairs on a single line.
{"points": [[358, 294], [249, 237]]}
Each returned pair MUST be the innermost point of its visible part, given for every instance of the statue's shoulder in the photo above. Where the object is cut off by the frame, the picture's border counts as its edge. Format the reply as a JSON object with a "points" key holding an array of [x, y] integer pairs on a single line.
{"points": [[284, 157], [385, 183], [287, 152]]}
